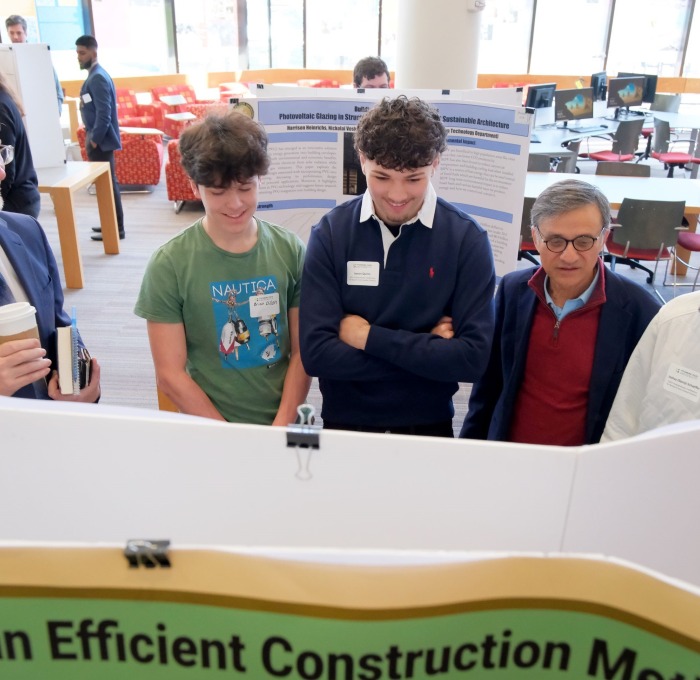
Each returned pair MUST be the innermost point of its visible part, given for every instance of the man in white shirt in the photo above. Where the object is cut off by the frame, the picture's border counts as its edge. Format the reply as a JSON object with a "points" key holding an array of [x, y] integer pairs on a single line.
{"points": [[661, 384]]}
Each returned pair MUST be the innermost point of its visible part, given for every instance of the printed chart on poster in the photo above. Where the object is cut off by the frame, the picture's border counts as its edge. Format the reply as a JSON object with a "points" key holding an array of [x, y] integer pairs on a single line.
{"points": [[314, 165]]}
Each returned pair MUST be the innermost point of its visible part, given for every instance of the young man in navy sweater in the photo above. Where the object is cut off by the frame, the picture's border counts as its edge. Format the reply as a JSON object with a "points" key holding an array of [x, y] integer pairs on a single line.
{"points": [[397, 300]]}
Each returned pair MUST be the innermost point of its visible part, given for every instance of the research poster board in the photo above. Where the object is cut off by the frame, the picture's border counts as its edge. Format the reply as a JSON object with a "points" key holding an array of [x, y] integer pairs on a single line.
{"points": [[79, 613], [314, 166], [109, 474]]}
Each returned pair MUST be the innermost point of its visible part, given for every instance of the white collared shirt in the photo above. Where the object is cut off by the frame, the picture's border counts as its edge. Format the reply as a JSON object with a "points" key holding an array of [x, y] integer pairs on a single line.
{"points": [[426, 214]]}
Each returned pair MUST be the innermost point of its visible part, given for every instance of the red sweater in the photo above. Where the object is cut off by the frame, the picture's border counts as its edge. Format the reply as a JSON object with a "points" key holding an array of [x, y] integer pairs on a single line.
{"points": [[552, 402]]}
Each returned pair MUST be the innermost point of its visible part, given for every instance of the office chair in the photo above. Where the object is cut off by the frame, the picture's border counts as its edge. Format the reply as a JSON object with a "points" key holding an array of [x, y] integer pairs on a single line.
{"points": [[661, 144], [625, 142], [527, 246], [567, 161], [662, 102], [670, 103], [537, 162], [691, 242], [620, 169], [647, 231]]}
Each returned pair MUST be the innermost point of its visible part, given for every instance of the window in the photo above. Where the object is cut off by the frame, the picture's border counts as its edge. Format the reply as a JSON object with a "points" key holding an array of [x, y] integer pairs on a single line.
{"points": [[574, 49], [132, 36], [207, 37], [338, 36], [505, 36], [648, 37]]}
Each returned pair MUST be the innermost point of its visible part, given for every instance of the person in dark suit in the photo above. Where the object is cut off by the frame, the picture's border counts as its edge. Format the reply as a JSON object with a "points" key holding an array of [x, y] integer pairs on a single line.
{"points": [[20, 187], [98, 107], [564, 331], [28, 272]]}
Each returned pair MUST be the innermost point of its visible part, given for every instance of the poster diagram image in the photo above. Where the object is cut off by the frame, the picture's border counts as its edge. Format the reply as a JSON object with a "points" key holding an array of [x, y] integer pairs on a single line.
{"points": [[247, 315]]}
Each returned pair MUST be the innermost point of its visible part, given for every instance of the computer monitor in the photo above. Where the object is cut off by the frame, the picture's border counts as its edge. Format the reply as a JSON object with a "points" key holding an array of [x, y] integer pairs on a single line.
{"points": [[599, 83], [625, 92], [573, 104], [650, 82], [540, 96]]}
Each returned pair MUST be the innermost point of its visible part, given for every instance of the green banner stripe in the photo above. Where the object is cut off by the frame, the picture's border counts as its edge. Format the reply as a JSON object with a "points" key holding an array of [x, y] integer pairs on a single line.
{"points": [[354, 614]]}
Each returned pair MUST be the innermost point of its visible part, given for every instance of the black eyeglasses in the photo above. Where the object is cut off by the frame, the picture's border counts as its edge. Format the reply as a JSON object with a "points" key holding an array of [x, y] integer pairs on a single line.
{"points": [[558, 244]]}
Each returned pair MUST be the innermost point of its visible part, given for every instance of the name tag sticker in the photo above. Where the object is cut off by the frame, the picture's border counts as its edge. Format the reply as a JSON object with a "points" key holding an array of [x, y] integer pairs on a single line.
{"points": [[684, 382], [87, 98], [363, 273], [264, 305]]}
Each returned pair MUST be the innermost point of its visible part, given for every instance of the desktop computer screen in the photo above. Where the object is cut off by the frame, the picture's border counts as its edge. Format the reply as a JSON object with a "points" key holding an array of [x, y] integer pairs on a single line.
{"points": [[625, 92], [573, 104], [540, 96], [599, 83], [650, 82]]}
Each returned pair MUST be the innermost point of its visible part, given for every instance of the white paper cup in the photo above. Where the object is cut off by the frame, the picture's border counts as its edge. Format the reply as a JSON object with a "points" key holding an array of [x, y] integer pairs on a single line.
{"points": [[17, 322]]}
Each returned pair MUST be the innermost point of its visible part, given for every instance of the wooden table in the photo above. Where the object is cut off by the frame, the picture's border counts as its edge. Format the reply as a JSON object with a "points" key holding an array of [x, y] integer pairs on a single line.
{"points": [[73, 105], [617, 188], [60, 183]]}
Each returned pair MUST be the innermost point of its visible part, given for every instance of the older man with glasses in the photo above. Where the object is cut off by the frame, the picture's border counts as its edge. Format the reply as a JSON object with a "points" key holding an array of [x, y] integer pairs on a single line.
{"points": [[564, 330]]}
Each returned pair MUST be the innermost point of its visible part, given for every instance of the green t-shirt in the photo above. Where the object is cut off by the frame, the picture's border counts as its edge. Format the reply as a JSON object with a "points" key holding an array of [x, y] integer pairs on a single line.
{"points": [[234, 310]]}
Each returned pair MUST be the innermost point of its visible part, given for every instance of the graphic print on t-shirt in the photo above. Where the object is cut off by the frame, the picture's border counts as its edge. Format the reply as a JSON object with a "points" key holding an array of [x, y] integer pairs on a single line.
{"points": [[247, 316]]}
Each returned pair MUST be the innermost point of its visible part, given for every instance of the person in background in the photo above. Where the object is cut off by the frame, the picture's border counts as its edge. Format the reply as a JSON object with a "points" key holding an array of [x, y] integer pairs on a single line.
{"points": [[661, 384], [20, 186], [17, 31], [397, 301], [28, 273], [371, 73], [98, 107], [564, 331], [215, 294]]}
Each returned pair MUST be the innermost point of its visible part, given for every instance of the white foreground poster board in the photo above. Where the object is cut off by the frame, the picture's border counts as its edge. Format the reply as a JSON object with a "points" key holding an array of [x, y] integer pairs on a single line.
{"points": [[314, 166], [98, 474], [28, 71]]}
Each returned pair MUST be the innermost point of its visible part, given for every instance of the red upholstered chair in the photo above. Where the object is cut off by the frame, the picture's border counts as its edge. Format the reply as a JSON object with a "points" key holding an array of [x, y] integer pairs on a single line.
{"points": [[170, 127], [232, 89], [176, 181], [318, 82], [139, 161], [203, 110], [132, 114]]}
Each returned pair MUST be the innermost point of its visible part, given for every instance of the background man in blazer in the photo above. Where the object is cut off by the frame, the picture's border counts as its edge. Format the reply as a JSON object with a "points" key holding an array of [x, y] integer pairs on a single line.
{"points": [[564, 331], [28, 272], [98, 107]]}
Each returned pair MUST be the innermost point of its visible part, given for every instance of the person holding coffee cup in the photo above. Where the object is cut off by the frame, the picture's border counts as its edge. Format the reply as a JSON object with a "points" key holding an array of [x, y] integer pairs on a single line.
{"points": [[31, 308]]}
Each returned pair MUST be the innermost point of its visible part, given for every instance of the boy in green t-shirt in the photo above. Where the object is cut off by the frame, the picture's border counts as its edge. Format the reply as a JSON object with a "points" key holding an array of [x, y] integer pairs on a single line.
{"points": [[222, 297]]}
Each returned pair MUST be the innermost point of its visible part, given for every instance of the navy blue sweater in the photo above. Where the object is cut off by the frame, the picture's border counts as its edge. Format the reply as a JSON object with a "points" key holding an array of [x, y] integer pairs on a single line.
{"points": [[20, 183], [405, 375]]}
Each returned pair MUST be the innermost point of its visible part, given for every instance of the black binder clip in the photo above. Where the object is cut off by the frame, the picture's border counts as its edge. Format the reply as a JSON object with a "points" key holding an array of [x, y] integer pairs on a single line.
{"points": [[141, 552], [303, 435]]}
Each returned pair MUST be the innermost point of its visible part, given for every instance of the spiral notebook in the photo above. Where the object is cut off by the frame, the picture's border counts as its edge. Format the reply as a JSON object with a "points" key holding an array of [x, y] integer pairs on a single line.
{"points": [[73, 360]]}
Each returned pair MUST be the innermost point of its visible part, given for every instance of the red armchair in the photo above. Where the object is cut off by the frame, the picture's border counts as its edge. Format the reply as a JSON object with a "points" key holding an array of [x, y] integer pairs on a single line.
{"points": [[139, 161], [176, 181], [132, 114], [171, 127]]}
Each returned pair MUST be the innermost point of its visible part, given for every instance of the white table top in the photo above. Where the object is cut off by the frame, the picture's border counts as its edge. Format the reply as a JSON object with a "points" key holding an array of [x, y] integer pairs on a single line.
{"points": [[617, 188]]}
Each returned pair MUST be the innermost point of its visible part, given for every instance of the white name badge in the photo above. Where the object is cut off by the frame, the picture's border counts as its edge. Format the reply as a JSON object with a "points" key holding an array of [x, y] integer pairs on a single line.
{"points": [[87, 98], [363, 273], [264, 305], [684, 382]]}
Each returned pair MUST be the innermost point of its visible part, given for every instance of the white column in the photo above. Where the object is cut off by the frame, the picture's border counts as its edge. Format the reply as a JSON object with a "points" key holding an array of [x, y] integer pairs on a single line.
{"points": [[438, 44]]}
